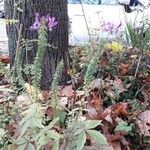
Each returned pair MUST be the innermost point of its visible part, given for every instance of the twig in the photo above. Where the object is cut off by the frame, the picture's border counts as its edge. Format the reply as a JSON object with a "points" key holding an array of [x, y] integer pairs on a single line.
{"points": [[140, 90], [86, 22], [138, 64]]}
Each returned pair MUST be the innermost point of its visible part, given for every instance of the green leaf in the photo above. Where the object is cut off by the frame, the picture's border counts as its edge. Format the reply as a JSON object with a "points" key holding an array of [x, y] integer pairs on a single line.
{"points": [[54, 121], [24, 128], [123, 126], [44, 139], [22, 147], [21, 141], [30, 147], [97, 136], [53, 135], [81, 140], [61, 115], [89, 124], [37, 122], [2, 132], [56, 145]]}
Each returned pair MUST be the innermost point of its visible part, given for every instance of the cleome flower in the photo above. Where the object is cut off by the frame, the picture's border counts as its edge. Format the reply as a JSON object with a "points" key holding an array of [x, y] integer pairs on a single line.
{"points": [[111, 27], [49, 21]]}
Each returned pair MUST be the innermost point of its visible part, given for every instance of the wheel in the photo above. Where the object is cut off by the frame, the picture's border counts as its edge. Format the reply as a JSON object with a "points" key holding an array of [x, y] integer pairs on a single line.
{"points": [[2, 15]]}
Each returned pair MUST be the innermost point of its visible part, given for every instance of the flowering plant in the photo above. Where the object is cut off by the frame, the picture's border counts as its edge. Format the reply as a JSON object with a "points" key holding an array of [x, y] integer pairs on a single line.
{"points": [[111, 27], [49, 21]]}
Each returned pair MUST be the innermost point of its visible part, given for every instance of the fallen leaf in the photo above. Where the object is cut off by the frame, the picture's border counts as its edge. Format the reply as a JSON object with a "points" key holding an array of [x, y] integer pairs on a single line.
{"points": [[118, 85], [143, 123], [92, 113], [63, 101], [111, 94], [96, 84], [5, 59], [104, 61], [123, 69], [45, 94], [80, 93], [121, 109], [49, 112], [96, 102], [67, 91], [116, 145], [115, 137]]}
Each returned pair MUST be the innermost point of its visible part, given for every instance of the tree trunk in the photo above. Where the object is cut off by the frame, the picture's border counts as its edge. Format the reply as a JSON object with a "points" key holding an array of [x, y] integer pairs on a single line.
{"points": [[57, 38]]}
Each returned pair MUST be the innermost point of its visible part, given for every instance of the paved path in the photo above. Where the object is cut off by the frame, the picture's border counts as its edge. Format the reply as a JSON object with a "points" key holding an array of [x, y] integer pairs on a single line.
{"points": [[3, 37]]}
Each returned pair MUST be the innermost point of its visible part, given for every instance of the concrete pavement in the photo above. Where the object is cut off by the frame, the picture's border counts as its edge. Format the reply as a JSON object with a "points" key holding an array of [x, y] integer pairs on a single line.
{"points": [[3, 37]]}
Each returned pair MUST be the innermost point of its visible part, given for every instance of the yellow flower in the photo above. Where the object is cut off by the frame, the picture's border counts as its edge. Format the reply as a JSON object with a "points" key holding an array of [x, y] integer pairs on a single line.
{"points": [[114, 46]]}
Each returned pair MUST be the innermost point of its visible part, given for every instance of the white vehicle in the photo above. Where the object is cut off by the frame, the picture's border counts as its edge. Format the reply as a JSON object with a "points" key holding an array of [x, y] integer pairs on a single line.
{"points": [[87, 19], [1, 8]]}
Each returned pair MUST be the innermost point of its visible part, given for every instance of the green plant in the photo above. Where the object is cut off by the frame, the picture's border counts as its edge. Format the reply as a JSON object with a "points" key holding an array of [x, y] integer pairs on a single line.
{"points": [[91, 69], [2, 135], [77, 131], [55, 82], [38, 60], [123, 126], [139, 36], [2, 68], [33, 132]]}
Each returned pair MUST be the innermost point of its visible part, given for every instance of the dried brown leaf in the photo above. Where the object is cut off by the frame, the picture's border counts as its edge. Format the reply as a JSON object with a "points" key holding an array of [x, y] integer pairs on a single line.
{"points": [[67, 91], [123, 69], [118, 85], [121, 109], [143, 123]]}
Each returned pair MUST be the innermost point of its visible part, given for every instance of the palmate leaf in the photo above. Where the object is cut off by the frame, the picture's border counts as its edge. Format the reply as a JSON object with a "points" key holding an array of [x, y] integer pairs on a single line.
{"points": [[52, 134], [54, 121], [2, 133], [47, 136], [123, 126], [24, 128], [81, 140], [44, 139], [97, 137], [30, 146], [89, 124], [56, 145], [22, 147]]}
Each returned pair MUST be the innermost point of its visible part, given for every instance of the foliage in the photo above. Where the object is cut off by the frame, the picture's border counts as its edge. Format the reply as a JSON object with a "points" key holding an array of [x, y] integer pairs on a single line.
{"points": [[123, 126], [91, 69], [77, 131], [139, 36], [38, 61], [55, 83], [107, 103]]}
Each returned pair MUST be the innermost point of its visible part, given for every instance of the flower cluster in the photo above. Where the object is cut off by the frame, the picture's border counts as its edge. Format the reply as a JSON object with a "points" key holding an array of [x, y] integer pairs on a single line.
{"points": [[111, 27], [49, 21]]}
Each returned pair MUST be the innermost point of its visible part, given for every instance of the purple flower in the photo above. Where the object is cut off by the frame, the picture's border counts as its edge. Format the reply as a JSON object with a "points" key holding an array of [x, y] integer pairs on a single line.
{"points": [[111, 27], [50, 22], [107, 27], [118, 27], [36, 25]]}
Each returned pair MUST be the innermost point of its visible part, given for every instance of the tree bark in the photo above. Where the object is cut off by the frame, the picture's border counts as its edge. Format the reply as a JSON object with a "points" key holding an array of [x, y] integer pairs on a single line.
{"points": [[57, 38]]}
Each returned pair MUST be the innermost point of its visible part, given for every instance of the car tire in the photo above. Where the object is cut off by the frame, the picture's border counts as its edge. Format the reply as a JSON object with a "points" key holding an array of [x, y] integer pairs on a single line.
{"points": [[2, 14]]}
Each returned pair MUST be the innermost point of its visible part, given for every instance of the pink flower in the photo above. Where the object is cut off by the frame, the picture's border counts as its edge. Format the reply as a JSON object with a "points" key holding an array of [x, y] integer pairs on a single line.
{"points": [[50, 22]]}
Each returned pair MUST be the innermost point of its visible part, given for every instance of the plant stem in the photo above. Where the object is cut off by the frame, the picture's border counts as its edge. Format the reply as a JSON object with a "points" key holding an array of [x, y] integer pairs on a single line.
{"points": [[86, 22], [138, 64]]}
